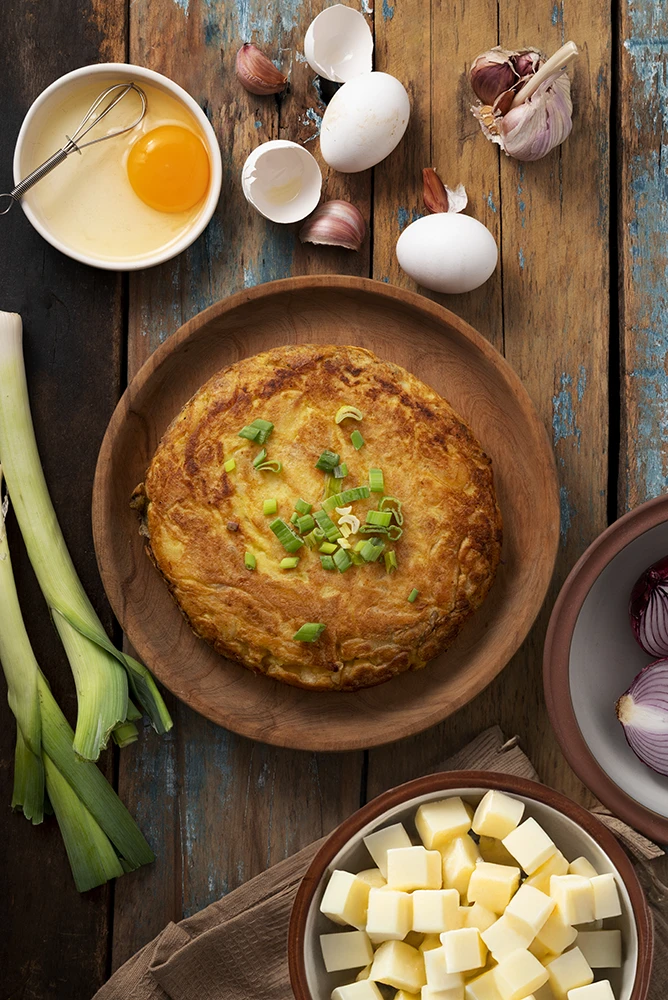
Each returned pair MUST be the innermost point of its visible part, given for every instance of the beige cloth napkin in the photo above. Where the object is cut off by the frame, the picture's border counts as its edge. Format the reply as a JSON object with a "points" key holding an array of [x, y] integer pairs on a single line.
{"points": [[235, 949]]}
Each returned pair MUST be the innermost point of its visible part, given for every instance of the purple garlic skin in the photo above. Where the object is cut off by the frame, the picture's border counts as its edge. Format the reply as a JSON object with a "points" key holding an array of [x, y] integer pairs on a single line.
{"points": [[496, 76]]}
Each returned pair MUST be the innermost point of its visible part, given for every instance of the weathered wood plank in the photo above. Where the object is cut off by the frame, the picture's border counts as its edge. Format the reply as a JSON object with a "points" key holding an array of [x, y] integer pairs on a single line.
{"points": [[54, 941], [218, 808]]}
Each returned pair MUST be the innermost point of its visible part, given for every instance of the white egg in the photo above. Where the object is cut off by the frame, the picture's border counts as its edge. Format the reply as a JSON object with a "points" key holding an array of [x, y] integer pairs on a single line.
{"points": [[448, 252], [363, 122], [339, 44], [282, 181]]}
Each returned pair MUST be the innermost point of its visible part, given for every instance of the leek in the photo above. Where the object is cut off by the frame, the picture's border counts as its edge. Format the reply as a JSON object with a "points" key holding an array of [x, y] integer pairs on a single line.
{"points": [[103, 675]]}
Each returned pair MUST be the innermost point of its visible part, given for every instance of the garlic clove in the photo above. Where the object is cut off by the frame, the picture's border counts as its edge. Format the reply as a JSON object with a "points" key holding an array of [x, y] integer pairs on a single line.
{"points": [[438, 197], [257, 73], [338, 44], [492, 73], [335, 223]]}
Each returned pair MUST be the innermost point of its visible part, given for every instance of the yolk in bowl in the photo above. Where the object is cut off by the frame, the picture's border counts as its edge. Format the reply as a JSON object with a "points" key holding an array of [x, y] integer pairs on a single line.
{"points": [[168, 168]]}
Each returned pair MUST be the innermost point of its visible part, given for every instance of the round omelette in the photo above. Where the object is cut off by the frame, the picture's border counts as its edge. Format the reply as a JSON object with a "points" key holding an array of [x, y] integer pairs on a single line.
{"points": [[383, 550]]}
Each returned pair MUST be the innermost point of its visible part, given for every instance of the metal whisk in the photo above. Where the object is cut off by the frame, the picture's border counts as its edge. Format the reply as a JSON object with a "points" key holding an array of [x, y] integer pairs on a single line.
{"points": [[89, 121]]}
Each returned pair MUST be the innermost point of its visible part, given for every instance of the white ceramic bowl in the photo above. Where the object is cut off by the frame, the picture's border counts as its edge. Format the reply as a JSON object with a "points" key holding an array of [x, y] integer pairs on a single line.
{"points": [[107, 73]]}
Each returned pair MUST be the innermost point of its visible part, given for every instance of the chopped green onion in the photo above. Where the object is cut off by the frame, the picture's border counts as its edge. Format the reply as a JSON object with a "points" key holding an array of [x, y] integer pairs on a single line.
{"points": [[328, 548], [311, 539], [305, 523], [270, 506], [376, 481], [273, 466], [230, 465], [394, 532], [290, 562], [328, 461], [360, 545], [395, 506], [372, 549], [250, 562], [341, 471], [356, 558], [347, 412], [356, 440], [318, 531], [373, 529], [348, 496], [342, 560], [390, 561], [259, 458], [309, 632], [250, 433], [412, 597], [327, 562], [381, 517], [331, 486], [258, 431], [294, 518], [325, 522], [302, 507], [287, 538], [264, 425]]}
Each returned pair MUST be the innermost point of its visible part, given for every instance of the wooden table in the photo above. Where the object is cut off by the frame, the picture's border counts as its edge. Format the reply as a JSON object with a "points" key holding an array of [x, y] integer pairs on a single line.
{"points": [[590, 218]]}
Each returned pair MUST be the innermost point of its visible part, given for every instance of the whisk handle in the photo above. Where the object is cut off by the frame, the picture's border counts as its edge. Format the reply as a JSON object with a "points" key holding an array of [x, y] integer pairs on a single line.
{"points": [[44, 168]]}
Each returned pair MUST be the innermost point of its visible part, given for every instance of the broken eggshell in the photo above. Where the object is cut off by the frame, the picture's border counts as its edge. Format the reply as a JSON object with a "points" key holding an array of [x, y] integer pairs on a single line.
{"points": [[363, 122], [448, 252], [338, 44], [282, 181]]}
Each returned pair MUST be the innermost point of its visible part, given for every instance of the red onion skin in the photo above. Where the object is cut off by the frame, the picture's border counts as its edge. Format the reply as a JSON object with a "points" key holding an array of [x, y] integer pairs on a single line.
{"points": [[648, 609], [649, 687]]}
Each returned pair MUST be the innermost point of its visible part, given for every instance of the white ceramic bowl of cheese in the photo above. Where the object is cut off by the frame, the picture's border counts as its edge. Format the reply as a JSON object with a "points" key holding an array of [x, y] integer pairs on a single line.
{"points": [[99, 77], [575, 831]]}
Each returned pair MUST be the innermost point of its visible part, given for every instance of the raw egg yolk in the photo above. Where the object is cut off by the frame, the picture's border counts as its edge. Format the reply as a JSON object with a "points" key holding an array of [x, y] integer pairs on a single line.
{"points": [[168, 168]]}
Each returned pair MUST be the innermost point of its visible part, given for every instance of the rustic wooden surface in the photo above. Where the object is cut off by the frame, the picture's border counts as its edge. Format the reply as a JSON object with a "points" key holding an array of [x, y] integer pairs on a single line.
{"points": [[218, 808]]}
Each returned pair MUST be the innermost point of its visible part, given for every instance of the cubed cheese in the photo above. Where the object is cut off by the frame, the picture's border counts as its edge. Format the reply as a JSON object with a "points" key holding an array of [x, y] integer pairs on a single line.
{"points": [[390, 915], [439, 822], [438, 978], [529, 908], [482, 988], [502, 938], [493, 850], [464, 950], [602, 949], [596, 991], [529, 845], [414, 939], [404, 995], [459, 860], [430, 941], [574, 897], [373, 877], [358, 991], [568, 972], [478, 916], [606, 897], [363, 973], [436, 910], [346, 899], [410, 868], [497, 815], [456, 993], [346, 950], [397, 964], [554, 937], [556, 865], [518, 975], [582, 867], [380, 842], [493, 885]]}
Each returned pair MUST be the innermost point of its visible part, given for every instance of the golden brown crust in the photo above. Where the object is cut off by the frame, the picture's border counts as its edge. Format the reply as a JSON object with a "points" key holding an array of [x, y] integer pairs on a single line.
{"points": [[452, 532]]}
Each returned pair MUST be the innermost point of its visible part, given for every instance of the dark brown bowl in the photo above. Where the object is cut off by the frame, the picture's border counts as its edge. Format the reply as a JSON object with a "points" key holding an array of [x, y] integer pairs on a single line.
{"points": [[576, 829]]}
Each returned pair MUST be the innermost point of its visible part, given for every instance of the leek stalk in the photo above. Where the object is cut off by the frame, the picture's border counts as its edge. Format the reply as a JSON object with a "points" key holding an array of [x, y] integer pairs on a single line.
{"points": [[103, 675]]}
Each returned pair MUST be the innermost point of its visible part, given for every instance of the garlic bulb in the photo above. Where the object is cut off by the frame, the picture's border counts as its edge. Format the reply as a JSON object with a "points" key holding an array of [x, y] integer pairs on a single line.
{"points": [[336, 223], [500, 72], [257, 73], [438, 197]]}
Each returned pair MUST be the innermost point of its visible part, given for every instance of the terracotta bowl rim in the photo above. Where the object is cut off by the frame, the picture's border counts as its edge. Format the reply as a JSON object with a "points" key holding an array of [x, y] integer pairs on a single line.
{"points": [[450, 781]]}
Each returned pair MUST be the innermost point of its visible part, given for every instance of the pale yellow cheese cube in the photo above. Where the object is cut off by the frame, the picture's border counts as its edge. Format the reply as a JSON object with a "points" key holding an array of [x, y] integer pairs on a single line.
{"points": [[373, 877], [582, 867], [436, 910], [430, 941], [595, 991], [346, 899], [358, 991], [455, 993], [404, 995], [493, 885], [464, 949], [345, 950], [497, 815], [574, 897], [380, 842], [363, 973], [493, 850], [478, 916], [555, 865], [459, 860], [555, 936], [529, 845], [602, 949], [482, 988], [414, 939], [502, 938], [530, 908], [438, 977], [568, 972], [439, 822], [518, 975], [410, 868], [606, 897], [389, 915], [397, 964]]}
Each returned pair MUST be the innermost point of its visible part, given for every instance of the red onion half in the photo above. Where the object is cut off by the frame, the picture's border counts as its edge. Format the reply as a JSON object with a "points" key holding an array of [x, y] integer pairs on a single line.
{"points": [[648, 609], [643, 712]]}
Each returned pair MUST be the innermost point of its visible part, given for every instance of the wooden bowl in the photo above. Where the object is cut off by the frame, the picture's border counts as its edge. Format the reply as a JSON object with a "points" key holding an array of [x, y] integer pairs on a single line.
{"points": [[590, 658], [575, 831], [445, 353]]}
